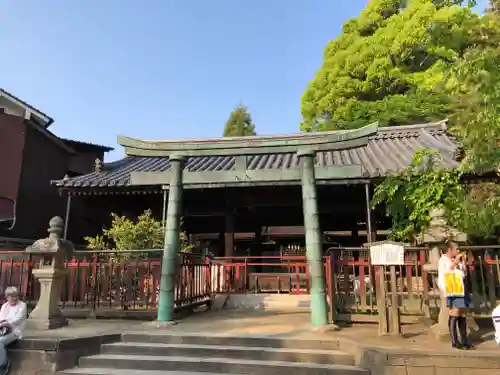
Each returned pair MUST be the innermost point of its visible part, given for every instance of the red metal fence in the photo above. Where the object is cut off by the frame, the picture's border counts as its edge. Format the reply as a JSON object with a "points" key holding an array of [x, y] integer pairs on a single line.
{"points": [[102, 280], [352, 281], [130, 281]]}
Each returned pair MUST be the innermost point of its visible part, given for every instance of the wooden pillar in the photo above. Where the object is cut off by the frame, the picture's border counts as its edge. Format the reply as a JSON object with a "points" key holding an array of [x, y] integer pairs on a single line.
{"points": [[371, 227], [164, 207], [229, 234], [355, 238], [220, 249], [257, 243], [67, 216]]}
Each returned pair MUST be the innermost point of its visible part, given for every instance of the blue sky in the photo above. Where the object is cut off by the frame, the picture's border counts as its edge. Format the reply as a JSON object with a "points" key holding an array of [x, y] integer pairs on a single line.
{"points": [[162, 69]]}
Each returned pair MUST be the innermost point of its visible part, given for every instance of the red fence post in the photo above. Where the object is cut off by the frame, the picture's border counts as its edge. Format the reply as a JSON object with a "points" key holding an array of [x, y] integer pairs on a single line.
{"points": [[208, 276], [94, 285], [26, 289]]}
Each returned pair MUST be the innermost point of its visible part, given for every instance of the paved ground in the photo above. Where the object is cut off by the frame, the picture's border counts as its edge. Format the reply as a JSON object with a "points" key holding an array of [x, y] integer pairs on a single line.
{"points": [[282, 325]]}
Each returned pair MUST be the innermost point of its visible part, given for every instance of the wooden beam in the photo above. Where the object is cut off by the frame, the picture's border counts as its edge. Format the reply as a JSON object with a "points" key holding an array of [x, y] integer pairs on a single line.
{"points": [[250, 184], [254, 145], [264, 210], [242, 176]]}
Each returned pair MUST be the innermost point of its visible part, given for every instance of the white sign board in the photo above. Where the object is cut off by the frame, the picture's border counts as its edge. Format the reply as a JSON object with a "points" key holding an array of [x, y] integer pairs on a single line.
{"points": [[387, 254]]}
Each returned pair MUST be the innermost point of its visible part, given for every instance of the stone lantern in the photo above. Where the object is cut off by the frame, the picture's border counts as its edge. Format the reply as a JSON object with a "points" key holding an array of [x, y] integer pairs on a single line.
{"points": [[437, 233], [50, 254]]}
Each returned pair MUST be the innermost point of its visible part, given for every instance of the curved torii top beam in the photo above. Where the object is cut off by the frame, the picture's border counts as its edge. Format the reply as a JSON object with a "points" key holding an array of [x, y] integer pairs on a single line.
{"points": [[253, 145]]}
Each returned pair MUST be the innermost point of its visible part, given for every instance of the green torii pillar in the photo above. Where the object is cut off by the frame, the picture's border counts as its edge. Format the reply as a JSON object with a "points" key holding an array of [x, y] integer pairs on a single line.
{"points": [[172, 242], [314, 241]]}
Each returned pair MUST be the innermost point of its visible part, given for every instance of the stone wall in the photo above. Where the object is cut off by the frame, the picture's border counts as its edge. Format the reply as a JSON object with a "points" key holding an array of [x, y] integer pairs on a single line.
{"points": [[32, 356], [389, 362]]}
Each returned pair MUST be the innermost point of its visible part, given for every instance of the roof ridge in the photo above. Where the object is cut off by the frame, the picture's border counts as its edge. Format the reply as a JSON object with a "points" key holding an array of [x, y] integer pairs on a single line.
{"points": [[439, 125], [387, 152], [24, 103]]}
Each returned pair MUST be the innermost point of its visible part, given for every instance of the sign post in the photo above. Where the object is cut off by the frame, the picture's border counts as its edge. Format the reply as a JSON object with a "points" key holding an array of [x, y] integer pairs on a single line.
{"points": [[385, 256]]}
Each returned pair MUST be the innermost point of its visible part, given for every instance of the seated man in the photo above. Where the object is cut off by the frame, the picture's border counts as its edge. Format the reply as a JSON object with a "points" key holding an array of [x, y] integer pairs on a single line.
{"points": [[495, 315], [12, 321]]}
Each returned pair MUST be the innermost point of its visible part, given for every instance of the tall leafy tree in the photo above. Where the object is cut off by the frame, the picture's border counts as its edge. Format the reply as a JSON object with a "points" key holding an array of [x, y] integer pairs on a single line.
{"points": [[494, 6], [475, 85], [386, 64], [475, 89], [472, 85], [239, 123]]}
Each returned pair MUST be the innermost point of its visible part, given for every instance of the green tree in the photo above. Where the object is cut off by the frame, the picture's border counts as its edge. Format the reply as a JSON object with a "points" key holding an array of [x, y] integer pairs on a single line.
{"points": [[494, 6], [239, 123], [474, 85], [124, 234], [386, 64], [446, 61], [475, 89], [409, 196]]}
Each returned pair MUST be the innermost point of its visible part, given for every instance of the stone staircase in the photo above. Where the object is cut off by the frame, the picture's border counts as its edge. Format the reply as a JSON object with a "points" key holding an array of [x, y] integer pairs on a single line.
{"points": [[165, 354]]}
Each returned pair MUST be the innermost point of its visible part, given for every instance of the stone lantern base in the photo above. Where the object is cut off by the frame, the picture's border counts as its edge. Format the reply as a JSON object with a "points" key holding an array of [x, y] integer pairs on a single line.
{"points": [[47, 314], [441, 330]]}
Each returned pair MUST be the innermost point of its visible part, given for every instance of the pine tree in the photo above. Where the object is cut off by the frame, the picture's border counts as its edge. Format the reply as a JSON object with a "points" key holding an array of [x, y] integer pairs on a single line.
{"points": [[239, 123]]}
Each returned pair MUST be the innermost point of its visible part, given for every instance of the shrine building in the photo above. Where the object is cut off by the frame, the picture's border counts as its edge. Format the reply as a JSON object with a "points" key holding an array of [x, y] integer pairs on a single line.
{"points": [[260, 194]]}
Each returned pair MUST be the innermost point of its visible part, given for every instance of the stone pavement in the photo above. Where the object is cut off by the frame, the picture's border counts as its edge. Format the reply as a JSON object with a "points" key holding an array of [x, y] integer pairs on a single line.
{"points": [[266, 324]]}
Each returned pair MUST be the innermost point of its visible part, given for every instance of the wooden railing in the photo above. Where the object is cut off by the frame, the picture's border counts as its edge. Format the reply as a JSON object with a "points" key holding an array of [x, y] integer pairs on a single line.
{"points": [[100, 280]]}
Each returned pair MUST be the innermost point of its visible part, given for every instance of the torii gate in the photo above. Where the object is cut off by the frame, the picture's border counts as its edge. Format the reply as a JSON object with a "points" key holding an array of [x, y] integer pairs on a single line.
{"points": [[306, 146]]}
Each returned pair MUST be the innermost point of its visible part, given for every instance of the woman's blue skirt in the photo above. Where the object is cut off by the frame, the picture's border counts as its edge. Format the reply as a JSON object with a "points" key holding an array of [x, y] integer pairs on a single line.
{"points": [[458, 302]]}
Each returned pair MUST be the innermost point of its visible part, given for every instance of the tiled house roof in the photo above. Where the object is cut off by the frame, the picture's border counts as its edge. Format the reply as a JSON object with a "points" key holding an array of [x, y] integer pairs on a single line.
{"points": [[390, 150]]}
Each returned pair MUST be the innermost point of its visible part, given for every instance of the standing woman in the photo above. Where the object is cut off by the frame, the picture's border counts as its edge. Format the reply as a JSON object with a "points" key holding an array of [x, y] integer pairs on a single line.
{"points": [[451, 279]]}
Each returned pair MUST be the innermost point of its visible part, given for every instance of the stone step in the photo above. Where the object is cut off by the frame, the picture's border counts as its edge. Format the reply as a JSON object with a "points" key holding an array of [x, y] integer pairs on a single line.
{"points": [[243, 352], [214, 365], [112, 371], [225, 340]]}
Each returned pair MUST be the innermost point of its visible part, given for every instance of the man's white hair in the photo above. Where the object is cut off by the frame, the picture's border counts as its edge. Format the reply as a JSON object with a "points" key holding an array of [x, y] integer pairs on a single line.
{"points": [[11, 291]]}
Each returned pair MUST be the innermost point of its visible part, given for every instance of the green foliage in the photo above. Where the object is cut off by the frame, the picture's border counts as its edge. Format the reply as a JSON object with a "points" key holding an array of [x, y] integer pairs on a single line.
{"points": [[386, 64], [477, 212], [145, 233], [494, 6], [474, 84], [409, 196], [404, 62], [239, 123]]}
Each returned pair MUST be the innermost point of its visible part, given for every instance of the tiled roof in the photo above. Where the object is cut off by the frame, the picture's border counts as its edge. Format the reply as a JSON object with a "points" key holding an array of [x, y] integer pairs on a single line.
{"points": [[390, 150], [87, 144]]}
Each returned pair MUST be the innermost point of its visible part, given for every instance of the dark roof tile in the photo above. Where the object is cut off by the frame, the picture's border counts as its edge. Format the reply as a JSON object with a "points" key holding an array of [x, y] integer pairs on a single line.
{"points": [[87, 144], [389, 151]]}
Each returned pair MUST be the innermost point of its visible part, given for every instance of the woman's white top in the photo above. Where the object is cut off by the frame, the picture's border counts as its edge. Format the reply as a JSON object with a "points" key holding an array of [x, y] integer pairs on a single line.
{"points": [[15, 315], [496, 323], [446, 265]]}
